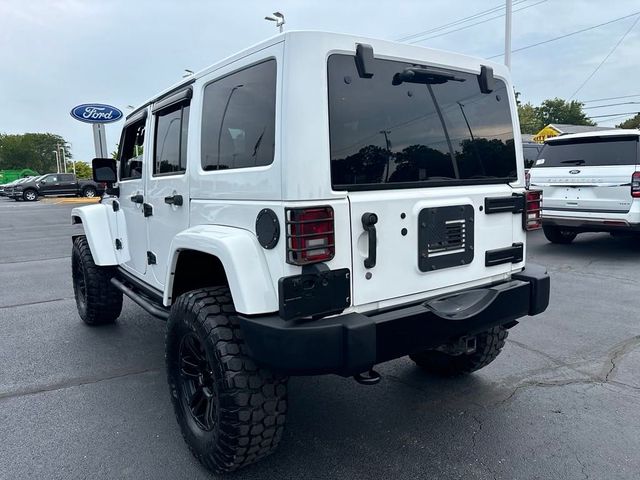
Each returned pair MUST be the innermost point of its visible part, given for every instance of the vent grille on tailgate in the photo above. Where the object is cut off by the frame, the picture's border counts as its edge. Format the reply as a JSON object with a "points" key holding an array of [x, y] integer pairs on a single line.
{"points": [[454, 239], [445, 237]]}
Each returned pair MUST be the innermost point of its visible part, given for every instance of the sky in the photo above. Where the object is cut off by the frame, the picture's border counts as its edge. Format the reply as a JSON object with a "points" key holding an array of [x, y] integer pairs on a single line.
{"points": [[56, 54]]}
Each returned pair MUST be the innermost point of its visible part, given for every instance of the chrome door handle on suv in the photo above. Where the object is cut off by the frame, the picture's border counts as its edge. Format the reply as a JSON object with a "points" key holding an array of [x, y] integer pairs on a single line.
{"points": [[369, 221]]}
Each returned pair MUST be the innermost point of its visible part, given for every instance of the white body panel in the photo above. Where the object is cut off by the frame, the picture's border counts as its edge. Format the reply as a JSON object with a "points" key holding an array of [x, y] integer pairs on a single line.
{"points": [[249, 279], [101, 231]]}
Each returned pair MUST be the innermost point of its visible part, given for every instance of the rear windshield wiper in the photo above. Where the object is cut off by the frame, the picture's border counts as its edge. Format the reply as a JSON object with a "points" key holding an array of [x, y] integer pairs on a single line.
{"points": [[423, 75], [574, 162]]}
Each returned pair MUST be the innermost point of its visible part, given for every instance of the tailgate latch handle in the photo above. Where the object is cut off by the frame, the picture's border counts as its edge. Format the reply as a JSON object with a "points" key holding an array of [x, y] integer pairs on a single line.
{"points": [[369, 221]]}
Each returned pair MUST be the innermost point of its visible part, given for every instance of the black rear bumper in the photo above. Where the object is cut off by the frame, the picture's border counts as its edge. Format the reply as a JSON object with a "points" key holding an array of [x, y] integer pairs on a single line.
{"points": [[352, 343]]}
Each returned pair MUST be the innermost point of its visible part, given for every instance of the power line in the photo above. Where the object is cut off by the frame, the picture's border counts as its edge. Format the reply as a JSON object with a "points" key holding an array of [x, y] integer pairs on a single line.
{"points": [[610, 98], [605, 58], [614, 114], [474, 24], [615, 118], [457, 22], [567, 35], [611, 105]]}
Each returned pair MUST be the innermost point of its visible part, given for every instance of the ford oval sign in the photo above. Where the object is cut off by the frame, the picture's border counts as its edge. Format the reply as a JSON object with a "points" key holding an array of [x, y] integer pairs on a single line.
{"points": [[96, 113]]}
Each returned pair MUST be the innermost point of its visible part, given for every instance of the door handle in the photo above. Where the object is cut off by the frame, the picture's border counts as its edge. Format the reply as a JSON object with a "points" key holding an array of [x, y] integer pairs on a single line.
{"points": [[137, 198], [174, 200], [369, 221]]}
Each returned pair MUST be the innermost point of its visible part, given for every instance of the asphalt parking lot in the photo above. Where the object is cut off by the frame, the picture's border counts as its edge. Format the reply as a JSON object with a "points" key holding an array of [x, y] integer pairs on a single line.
{"points": [[560, 402]]}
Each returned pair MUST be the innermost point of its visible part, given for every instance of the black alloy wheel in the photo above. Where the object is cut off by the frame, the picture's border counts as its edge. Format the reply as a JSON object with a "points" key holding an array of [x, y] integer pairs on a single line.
{"points": [[198, 392]]}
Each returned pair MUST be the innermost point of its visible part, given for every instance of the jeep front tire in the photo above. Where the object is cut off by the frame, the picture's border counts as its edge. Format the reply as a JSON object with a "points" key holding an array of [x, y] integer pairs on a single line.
{"points": [[230, 411], [488, 346], [98, 301]]}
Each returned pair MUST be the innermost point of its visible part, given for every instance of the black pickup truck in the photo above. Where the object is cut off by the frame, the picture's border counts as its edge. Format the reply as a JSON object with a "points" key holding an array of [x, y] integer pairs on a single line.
{"points": [[54, 184]]}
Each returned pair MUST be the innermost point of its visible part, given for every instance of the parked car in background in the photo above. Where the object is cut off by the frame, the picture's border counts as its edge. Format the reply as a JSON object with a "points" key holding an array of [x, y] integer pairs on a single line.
{"points": [[9, 188], [590, 183], [56, 184]]}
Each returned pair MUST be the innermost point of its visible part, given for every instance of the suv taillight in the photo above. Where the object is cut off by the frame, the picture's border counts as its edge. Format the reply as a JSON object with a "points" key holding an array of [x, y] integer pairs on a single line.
{"points": [[635, 185], [533, 200], [310, 235]]}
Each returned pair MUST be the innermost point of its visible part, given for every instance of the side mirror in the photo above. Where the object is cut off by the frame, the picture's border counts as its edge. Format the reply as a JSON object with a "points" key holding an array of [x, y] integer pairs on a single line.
{"points": [[104, 170]]}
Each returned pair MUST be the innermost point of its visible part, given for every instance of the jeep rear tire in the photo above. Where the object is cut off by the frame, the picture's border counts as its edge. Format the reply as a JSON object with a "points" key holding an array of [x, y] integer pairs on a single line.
{"points": [[231, 412], [98, 301], [558, 235], [488, 346]]}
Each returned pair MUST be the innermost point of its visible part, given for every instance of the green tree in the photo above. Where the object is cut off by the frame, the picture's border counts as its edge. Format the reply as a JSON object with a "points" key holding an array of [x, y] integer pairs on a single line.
{"points": [[83, 170], [31, 150], [633, 122], [558, 110], [555, 110], [530, 122]]}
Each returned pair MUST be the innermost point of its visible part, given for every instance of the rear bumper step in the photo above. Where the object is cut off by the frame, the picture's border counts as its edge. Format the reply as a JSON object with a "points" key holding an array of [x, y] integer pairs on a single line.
{"points": [[352, 343]]}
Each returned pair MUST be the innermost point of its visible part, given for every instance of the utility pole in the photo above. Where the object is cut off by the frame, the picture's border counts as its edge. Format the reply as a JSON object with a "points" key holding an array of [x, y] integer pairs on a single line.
{"points": [[507, 34]]}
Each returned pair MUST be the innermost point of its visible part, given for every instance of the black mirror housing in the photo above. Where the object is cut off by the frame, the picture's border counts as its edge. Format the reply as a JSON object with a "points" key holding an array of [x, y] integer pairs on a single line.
{"points": [[104, 170]]}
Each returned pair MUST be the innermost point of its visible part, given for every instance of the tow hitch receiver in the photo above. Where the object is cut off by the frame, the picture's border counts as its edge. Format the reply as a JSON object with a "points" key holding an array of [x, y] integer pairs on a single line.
{"points": [[369, 378], [464, 346]]}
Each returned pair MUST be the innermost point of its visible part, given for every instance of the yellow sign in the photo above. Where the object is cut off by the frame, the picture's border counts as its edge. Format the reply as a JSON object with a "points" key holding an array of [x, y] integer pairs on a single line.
{"points": [[545, 133]]}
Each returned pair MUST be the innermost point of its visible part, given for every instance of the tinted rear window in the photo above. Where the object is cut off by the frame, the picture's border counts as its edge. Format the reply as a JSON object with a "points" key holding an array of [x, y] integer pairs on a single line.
{"points": [[416, 134], [593, 151]]}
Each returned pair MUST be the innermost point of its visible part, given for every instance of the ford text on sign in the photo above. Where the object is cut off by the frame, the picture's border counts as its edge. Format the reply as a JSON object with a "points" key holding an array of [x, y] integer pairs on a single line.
{"points": [[96, 113]]}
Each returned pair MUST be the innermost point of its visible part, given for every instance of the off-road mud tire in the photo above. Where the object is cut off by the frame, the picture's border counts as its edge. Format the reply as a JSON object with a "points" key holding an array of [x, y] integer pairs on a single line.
{"points": [[250, 402], [98, 301]]}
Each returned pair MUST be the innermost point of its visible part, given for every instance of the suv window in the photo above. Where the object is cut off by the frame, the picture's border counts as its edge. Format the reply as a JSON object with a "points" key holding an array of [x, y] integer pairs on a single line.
{"points": [[531, 152], [589, 152], [238, 119], [131, 150], [170, 146], [442, 131]]}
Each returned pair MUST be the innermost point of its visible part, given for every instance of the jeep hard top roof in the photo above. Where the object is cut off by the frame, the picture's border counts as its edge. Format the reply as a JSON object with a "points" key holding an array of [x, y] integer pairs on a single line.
{"points": [[337, 43]]}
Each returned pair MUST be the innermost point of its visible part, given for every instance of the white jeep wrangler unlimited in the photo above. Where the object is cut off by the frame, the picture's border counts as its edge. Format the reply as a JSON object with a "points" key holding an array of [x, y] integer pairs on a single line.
{"points": [[318, 203]]}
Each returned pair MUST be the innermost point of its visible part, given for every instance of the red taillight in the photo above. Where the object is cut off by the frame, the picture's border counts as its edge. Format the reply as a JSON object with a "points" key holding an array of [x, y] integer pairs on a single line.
{"points": [[635, 185], [310, 235], [533, 200]]}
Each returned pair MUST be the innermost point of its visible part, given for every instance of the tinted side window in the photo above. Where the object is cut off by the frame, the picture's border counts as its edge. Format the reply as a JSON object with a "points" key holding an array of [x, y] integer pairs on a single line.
{"points": [[131, 149], [170, 146], [66, 177], [238, 119]]}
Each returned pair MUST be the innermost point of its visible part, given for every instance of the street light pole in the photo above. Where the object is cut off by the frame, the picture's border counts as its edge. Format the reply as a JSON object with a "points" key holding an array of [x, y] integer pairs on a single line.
{"points": [[57, 161], [507, 34], [64, 158]]}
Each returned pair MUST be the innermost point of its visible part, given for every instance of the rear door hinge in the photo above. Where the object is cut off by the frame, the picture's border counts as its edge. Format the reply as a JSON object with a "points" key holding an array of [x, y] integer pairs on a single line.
{"points": [[147, 209], [118, 244], [151, 258]]}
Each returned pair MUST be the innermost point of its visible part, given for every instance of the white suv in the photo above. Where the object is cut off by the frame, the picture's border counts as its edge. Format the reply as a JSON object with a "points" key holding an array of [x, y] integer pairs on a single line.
{"points": [[318, 203], [590, 183]]}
